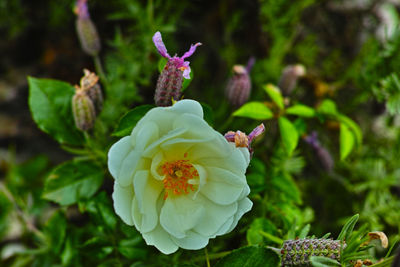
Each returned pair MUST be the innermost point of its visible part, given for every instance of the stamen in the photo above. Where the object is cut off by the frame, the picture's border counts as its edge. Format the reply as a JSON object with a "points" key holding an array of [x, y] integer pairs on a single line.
{"points": [[180, 177]]}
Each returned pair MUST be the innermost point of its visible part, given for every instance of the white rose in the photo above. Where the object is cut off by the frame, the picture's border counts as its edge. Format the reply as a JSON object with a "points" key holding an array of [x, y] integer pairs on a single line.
{"points": [[177, 180]]}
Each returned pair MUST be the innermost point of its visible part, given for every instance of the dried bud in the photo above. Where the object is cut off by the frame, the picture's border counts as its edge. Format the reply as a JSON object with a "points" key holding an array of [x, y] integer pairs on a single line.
{"points": [[83, 110], [239, 86], [377, 235], [87, 32], [289, 77], [298, 252], [169, 85], [242, 140], [89, 84]]}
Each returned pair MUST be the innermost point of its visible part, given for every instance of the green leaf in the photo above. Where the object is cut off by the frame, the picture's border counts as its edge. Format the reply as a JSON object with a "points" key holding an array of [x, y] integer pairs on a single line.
{"points": [[289, 134], [304, 232], [348, 228], [327, 107], [100, 207], [50, 105], [208, 114], [254, 110], [288, 188], [161, 64], [55, 231], [186, 82], [259, 224], [252, 256], [301, 110], [73, 181], [353, 127], [129, 250], [129, 120], [319, 261], [6, 207], [275, 94], [346, 141]]}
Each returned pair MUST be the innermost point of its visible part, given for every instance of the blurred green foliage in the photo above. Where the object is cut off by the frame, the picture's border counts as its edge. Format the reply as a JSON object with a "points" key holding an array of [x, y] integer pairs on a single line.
{"points": [[63, 215]]}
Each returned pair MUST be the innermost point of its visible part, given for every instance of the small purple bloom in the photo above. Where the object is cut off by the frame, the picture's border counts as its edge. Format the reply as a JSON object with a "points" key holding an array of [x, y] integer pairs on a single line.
{"points": [[178, 62], [81, 9]]}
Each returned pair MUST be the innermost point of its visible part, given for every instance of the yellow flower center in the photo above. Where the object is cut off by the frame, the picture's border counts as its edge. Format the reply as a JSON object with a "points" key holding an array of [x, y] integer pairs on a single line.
{"points": [[179, 177]]}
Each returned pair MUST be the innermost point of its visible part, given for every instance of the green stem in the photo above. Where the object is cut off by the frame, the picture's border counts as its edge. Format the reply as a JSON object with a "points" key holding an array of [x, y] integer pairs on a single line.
{"points": [[207, 258], [272, 238], [99, 69], [213, 256]]}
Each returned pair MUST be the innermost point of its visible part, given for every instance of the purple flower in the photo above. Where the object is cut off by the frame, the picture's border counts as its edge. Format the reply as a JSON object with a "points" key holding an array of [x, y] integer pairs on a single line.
{"points": [[178, 62], [81, 9]]}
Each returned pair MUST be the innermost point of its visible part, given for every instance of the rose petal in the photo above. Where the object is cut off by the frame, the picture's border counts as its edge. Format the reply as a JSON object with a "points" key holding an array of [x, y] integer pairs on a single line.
{"points": [[192, 240], [180, 214], [245, 205], [214, 216], [225, 227], [116, 155], [236, 162], [155, 163], [161, 240], [147, 192], [187, 106], [122, 198], [221, 193]]}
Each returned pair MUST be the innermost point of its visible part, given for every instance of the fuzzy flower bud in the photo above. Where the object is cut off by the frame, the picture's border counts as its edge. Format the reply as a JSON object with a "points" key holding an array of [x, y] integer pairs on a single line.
{"points": [[239, 85], [89, 84], [289, 77], [169, 82], [322, 154], [298, 252], [87, 32], [83, 110]]}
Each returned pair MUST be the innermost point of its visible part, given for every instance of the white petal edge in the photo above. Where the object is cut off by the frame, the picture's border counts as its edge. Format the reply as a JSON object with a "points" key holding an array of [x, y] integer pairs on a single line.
{"points": [[122, 201], [161, 240], [116, 155]]}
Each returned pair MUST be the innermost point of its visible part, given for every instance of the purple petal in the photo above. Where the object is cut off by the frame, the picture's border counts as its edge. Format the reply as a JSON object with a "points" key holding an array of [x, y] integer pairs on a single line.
{"points": [[256, 132], [158, 42], [186, 70], [186, 73], [191, 50]]}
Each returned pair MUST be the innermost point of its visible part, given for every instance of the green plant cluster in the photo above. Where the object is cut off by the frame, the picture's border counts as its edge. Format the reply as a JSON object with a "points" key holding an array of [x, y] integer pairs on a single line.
{"points": [[63, 215]]}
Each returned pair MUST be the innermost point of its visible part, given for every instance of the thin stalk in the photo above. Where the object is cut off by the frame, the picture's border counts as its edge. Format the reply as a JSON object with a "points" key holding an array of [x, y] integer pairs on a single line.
{"points": [[99, 69], [272, 238], [207, 258]]}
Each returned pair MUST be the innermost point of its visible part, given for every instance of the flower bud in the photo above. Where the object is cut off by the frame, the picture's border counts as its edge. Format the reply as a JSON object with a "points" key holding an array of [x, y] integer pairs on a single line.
{"points": [[169, 82], [239, 86], [89, 84], [87, 32], [298, 252], [169, 85], [242, 140], [83, 110], [289, 77]]}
